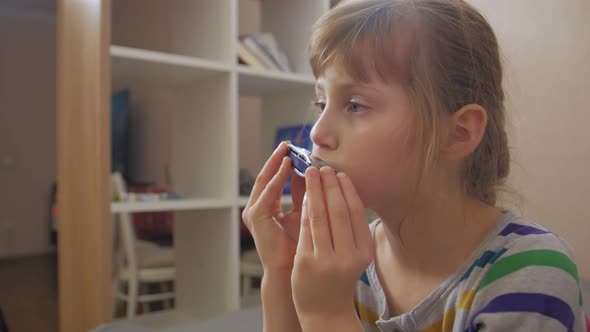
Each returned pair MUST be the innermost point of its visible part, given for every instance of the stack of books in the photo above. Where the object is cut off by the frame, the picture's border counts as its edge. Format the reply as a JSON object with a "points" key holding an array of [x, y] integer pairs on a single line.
{"points": [[260, 50]]}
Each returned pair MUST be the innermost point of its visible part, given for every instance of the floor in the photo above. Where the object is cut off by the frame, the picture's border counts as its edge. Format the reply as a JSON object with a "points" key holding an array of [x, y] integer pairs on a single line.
{"points": [[28, 293]]}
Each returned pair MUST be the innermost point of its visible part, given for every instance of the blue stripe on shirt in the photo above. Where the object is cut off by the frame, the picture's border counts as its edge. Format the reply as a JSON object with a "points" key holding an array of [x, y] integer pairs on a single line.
{"points": [[521, 230], [547, 305], [365, 279]]}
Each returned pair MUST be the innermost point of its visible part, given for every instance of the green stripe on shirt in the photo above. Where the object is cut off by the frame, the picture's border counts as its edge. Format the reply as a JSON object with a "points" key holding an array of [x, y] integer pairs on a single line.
{"points": [[513, 263]]}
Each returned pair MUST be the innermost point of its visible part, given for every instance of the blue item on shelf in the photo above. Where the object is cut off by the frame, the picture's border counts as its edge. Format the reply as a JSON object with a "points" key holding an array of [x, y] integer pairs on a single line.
{"points": [[119, 132], [299, 136]]}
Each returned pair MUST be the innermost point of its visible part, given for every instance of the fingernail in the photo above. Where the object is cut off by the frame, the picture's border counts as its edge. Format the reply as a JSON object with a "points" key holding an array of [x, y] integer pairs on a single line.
{"points": [[327, 170]]}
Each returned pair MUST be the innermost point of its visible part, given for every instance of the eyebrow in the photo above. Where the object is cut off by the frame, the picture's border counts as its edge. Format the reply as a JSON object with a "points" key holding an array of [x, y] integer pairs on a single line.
{"points": [[346, 85]]}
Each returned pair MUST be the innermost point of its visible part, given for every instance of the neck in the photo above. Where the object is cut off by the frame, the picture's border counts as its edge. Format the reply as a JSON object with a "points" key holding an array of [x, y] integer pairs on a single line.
{"points": [[435, 241]]}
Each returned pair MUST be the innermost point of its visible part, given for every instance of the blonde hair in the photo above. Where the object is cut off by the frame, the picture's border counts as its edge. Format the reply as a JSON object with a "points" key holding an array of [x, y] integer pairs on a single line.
{"points": [[447, 56]]}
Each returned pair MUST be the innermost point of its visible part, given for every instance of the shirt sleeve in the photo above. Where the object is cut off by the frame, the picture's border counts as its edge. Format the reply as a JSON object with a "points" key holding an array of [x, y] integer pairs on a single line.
{"points": [[534, 287]]}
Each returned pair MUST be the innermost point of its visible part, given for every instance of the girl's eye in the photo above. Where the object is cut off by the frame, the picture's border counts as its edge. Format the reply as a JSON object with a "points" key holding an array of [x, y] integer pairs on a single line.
{"points": [[319, 106], [356, 107]]}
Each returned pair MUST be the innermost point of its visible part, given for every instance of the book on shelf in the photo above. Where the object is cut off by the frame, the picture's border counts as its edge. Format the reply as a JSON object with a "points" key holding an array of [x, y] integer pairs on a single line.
{"points": [[253, 47], [248, 57], [269, 45], [264, 48]]}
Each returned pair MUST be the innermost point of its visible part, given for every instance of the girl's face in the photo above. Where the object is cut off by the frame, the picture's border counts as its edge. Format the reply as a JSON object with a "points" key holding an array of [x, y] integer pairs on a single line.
{"points": [[368, 132]]}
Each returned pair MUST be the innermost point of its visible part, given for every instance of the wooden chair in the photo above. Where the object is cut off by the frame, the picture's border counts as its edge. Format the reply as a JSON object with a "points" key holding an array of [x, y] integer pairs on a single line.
{"points": [[138, 263]]}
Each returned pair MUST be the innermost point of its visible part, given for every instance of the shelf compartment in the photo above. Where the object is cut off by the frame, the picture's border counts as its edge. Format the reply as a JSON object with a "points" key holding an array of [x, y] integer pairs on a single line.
{"points": [[182, 137], [131, 66], [258, 82], [290, 22], [207, 261], [196, 28]]}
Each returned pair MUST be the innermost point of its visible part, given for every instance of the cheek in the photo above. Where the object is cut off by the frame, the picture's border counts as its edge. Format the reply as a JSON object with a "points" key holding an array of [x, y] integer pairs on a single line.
{"points": [[385, 183], [388, 169]]}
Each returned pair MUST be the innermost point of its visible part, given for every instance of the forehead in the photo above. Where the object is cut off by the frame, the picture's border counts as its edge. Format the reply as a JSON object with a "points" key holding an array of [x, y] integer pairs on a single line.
{"points": [[367, 63], [334, 74], [336, 77]]}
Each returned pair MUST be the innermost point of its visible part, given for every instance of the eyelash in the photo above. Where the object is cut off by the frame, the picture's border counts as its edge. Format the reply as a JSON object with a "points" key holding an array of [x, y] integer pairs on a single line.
{"points": [[320, 106]]}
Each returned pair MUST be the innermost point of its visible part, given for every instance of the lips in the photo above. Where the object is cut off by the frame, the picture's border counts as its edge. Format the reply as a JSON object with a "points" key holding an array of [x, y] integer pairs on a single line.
{"points": [[319, 163]]}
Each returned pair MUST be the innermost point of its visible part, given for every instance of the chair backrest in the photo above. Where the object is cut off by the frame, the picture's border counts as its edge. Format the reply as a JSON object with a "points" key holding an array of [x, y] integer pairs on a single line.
{"points": [[124, 227]]}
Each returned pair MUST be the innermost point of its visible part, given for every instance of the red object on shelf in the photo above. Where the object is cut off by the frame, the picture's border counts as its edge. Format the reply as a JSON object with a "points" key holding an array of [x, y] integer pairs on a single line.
{"points": [[244, 232], [159, 222], [154, 222]]}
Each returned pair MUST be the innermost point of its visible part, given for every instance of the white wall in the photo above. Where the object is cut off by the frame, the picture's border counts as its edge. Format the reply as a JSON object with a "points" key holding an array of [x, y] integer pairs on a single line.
{"points": [[546, 45], [27, 130], [250, 111]]}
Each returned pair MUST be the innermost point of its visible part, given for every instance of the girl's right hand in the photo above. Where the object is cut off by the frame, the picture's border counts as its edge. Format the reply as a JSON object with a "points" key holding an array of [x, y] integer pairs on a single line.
{"points": [[275, 233]]}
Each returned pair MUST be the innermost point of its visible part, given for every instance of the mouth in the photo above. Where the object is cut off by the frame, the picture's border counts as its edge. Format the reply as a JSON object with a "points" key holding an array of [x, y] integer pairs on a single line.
{"points": [[319, 163]]}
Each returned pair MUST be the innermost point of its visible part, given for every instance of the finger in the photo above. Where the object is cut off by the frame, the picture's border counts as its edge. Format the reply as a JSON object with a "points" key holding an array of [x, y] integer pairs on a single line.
{"points": [[273, 191], [356, 210], [305, 243], [268, 171], [297, 191], [320, 230], [339, 220]]}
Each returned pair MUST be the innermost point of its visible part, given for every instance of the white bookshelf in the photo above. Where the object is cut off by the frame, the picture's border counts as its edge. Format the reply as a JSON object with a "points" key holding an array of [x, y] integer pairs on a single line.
{"points": [[132, 65], [171, 205], [257, 82], [185, 204], [178, 59], [285, 201]]}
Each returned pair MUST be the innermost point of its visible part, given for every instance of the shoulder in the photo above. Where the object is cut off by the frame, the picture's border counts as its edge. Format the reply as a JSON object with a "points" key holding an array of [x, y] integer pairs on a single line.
{"points": [[529, 248], [533, 285]]}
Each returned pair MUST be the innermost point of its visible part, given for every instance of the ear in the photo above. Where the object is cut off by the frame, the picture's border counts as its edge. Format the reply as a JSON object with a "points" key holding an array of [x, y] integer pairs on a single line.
{"points": [[466, 128]]}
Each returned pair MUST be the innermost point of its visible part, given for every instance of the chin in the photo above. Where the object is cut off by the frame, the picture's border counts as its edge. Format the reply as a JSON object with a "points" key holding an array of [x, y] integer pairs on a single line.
{"points": [[363, 189], [367, 201]]}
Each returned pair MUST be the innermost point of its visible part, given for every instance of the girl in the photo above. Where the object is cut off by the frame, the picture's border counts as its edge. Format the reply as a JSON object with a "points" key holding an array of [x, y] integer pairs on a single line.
{"points": [[412, 118]]}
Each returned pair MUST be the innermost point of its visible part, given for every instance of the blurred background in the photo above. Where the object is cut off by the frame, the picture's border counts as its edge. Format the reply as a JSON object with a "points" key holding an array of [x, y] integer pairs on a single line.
{"points": [[201, 92]]}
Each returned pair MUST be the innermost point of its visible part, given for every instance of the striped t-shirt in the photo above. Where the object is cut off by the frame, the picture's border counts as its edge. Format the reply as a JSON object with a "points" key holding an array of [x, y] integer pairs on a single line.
{"points": [[521, 278]]}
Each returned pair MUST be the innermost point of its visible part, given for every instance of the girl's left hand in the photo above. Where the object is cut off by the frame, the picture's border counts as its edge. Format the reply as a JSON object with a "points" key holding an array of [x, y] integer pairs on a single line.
{"points": [[334, 248]]}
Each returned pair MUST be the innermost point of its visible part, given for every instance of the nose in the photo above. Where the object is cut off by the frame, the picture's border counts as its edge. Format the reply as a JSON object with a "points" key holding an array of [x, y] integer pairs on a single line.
{"points": [[323, 134]]}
